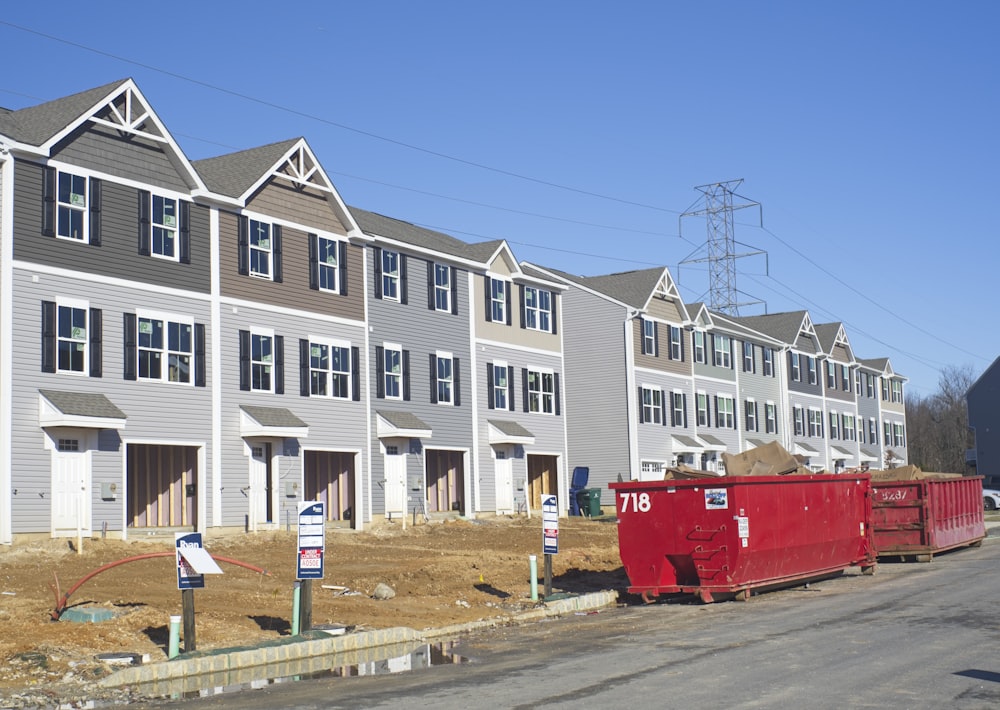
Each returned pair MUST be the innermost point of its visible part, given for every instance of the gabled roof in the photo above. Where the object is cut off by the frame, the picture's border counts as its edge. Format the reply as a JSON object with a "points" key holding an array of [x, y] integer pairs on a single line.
{"points": [[35, 125], [831, 335], [880, 365], [784, 327], [733, 325], [630, 288], [234, 174], [378, 225]]}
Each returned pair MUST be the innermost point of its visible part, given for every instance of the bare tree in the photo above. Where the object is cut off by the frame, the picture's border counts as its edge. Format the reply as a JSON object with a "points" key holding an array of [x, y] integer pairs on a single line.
{"points": [[937, 426]]}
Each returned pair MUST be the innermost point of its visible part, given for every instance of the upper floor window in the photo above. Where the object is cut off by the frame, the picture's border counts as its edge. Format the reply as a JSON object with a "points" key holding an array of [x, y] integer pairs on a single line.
{"points": [[652, 405], [698, 346], [768, 362], [498, 295], [676, 343], [71, 339], [845, 378], [831, 374], [872, 431], [849, 432], [72, 210], [164, 227], [165, 349], [816, 423], [537, 309], [678, 410], [795, 364], [392, 359], [330, 369], [649, 339], [857, 383], [442, 287], [749, 364], [898, 435], [723, 356], [498, 381], [390, 275], [751, 415], [870, 386], [261, 249], [770, 418], [702, 409], [725, 415], [261, 362], [834, 425], [799, 421], [444, 378], [885, 389], [897, 391], [811, 365], [541, 391], [328, 264]]}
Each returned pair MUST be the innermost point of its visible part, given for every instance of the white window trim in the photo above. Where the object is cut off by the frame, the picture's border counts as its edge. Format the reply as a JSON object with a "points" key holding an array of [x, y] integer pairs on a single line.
{"points": [[721, 397], [439, 289], [269, 276], [332, 343], [501, 364], [325, 265], [445, 355], [655, 409], [502, 302], [698, 410], [394, 277], [541, 392], [154, 225], [166, 352], [386, 349], [85, 307], [702, 356], [85, 210], [264, 333]]}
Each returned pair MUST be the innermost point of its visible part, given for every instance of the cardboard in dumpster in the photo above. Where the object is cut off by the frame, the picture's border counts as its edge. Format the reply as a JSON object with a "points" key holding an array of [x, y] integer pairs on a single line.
{"points": [[910, 473], [771, 459], [684, 473]]}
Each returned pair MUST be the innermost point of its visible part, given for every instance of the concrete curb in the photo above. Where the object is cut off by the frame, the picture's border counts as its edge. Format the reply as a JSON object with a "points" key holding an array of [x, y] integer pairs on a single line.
{"points": [[231, 664]]}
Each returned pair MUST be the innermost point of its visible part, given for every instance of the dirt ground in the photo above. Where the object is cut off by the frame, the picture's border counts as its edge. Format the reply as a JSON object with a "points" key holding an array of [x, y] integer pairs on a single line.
{"points": [[443, 572]]}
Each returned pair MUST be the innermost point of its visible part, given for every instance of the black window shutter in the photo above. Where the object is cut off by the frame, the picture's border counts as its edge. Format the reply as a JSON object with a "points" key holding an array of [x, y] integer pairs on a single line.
{"points": [[131, 354], [430, 286], [673, 410], [199, 355], [342, 266], [555, 393], [406, 375], [680, 340], [313, 262], [489, 386], [95, 212], [48, 336], [524, 389], [96, 327], [356, 374], [509, 297], [716, 398], [276, 253], [403, 290], [642, 336], [656, 339], [454, 291], [379, 372], [243, 244], [736, 414], [49, 202], [520, 300], [279, 364], [510, 387], [245, 360], [144, 223], [642, 419], [488, 292], [553, 317], [377, 256], [663, 408], [684, 405], [184, 233], [434, 379], [304, 388], [456, 383]]}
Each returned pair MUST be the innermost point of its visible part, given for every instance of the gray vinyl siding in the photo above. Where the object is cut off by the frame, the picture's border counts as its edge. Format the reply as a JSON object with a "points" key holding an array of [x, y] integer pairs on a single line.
{"points": [[164, 412], [803, 386], [820, 444], [547, 429], [762, 389], [334, 424], [654, 439], [729, 436], [125, 156], [422, 332], [293, 291], [595, 391], [118, 256]]}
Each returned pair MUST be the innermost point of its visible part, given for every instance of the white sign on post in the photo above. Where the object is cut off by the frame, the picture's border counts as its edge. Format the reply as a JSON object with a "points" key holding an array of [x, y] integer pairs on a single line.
{"points": [[550, 525]]}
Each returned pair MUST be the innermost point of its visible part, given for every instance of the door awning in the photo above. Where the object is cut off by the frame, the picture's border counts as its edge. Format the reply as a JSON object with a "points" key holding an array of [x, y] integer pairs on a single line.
{"points": [[271, 421], [868, 456], [803, 449], [680, 444], [712, 443], [838, 452], [503, 431], [391, 425], [88, 410]]}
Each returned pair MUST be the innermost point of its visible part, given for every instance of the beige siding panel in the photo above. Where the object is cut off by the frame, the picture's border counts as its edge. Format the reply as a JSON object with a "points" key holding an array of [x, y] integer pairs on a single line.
{"points": [[294, 291], [666, 309], [306, 206], [661, 362]]}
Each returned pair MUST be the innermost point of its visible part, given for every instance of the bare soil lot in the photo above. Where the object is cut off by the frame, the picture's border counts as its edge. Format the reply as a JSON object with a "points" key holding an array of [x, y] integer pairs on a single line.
{"points": [[442, 572]]}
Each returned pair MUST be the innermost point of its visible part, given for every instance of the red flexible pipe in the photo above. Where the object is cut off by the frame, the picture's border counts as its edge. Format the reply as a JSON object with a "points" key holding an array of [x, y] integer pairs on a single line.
{"points": [[61, 603]]}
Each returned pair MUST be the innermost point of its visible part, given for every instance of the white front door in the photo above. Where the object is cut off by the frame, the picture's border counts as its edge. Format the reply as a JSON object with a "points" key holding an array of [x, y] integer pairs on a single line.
{"points": [[395, 479], [259, 493], [504, 471], [71, 482]]}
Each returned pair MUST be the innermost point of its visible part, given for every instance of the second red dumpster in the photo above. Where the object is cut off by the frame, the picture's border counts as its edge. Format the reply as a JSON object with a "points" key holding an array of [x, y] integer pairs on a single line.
{"points": [[731, 535], [923, 516]]}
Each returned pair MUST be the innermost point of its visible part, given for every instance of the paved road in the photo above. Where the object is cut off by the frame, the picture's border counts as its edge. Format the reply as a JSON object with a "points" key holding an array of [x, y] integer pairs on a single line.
{"points": [[912, 636]]}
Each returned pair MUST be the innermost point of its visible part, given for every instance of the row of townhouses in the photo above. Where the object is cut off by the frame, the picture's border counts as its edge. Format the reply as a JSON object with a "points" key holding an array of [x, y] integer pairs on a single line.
{"points": [[203, 344]]}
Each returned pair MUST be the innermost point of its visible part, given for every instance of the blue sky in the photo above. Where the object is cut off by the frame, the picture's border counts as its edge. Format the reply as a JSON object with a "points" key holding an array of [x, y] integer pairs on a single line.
{"points": [[578, 131]]}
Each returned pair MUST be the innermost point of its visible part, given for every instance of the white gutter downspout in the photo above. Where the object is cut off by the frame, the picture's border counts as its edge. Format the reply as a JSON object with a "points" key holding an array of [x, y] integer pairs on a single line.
{"points": [[6, 332], [632, 410]]}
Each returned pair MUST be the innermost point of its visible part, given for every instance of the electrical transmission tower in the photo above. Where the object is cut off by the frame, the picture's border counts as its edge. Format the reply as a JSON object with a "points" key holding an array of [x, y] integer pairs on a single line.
{"points": [[718, 207]]}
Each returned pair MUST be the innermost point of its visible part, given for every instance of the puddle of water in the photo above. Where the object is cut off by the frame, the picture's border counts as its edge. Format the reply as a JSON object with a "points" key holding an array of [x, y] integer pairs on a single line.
{"points": [[396, 658]]}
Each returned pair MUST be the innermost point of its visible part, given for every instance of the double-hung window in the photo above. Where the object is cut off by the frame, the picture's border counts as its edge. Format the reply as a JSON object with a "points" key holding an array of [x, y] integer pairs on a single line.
{"points": [[849, 434], [541, 391], [795, 364], [71, 337], [725, 417], [698, 346], [770, 418], [678, 409], [845, 378], [163, 222], [676, 343], [392, 371], [749, 365], [390, 275], [165, 348], [442, 287], [498, 300], [702, 406], [857, 382], [750, 419], [328, 264], [261, 361], [723, 351], [811, 365], [872, 431], [329, 369], [898, 438], [834, 425], [652, 405], [649, 337], [799, 420], [500, 381], [887, 432], [897, 391], [831, 374], [444, 368], [768, 362], [885, 390], [72, 207], [815, 423], [537, 309]]}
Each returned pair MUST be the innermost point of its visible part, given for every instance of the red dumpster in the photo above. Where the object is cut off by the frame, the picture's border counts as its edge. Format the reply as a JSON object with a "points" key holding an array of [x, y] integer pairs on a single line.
{"points": [[919, 518], [731, 535]]}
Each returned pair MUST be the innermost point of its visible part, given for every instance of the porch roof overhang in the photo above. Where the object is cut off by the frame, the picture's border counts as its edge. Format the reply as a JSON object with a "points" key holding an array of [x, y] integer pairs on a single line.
{"points": [[712, 443], [391, 425], [271, 421], [502, 431], [87, 410], [681, 444], [804, 449], [867, 456], [837, 452], [756, 443]]}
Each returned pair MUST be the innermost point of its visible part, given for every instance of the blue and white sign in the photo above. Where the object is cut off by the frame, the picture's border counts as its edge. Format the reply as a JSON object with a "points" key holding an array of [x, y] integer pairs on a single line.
{"points": [[550, 525], [193, 561], [312, 540]]}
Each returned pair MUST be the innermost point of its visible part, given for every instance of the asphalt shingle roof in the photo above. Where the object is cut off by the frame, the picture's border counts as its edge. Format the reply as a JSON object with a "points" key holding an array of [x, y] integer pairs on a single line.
{"points": [[375, 224], [403, 420], [781, 326], [233, 174], [273, 416], [35, 125], [83, 404]]}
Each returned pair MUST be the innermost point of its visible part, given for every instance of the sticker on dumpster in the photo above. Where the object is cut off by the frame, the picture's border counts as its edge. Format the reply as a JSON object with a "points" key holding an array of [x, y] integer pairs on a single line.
{"points": [[716, 499], [743, 525]]}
